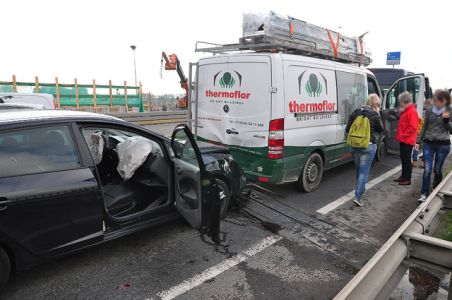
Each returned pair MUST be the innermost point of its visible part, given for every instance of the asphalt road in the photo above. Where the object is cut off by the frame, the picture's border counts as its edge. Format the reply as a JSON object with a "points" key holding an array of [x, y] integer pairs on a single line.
{"points": [[275, 246]]}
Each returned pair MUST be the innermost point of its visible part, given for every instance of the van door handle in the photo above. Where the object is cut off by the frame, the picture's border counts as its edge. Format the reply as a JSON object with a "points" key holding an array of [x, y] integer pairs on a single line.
{"points": [[231, 131]]}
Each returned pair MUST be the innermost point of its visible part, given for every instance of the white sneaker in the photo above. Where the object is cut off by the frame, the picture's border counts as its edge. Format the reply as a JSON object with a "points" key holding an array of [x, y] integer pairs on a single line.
{"points": [[422, 198]]}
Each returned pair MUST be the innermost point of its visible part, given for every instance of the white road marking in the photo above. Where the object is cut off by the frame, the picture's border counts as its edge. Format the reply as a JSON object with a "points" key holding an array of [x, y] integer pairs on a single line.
{"points": [[335, 204], [216, 270]]}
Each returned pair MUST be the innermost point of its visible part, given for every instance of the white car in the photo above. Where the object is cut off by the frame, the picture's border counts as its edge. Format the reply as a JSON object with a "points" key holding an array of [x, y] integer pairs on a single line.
{"points": [[10, 106], [34, 100]]}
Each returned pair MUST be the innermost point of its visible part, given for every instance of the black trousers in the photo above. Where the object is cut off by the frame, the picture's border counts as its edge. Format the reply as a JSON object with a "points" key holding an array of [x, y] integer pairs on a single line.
{"points": [[405, 157]]}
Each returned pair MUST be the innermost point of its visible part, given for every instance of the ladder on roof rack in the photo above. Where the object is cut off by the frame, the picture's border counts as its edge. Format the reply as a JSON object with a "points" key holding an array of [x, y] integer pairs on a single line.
{"points": [[273, 33]]}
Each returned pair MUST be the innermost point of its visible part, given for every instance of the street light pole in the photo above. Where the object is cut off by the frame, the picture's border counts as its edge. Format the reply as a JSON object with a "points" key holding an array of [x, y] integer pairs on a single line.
{"points": [[133, 47]]}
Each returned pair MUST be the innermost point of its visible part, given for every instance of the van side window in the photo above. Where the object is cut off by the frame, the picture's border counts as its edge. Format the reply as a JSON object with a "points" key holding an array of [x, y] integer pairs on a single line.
{"points": [[351, 93], [37, 150], [372, 86]]}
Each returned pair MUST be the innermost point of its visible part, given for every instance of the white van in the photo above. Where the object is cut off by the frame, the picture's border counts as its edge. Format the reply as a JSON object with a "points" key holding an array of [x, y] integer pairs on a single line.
{"points": [[282, 116], [36, 100]]}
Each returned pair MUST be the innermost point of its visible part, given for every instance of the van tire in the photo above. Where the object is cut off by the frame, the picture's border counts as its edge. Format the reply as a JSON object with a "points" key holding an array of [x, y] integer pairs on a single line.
{"points": [[312, 173], [225, 197], [5, 267]]}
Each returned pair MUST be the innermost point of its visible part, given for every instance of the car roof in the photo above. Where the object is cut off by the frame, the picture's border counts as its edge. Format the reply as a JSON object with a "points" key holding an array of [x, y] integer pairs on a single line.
{"points": [[14, 116]]}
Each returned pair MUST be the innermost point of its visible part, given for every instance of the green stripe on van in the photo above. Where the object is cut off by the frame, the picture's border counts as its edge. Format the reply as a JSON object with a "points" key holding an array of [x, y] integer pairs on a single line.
{"points": [[255, 164]]}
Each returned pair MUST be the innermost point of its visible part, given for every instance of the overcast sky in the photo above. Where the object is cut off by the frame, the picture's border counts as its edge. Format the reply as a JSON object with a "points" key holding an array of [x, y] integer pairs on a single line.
{"points": [[91, 39]]}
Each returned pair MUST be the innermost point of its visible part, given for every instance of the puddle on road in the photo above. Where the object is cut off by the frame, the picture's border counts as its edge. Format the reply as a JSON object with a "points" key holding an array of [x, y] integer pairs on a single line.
{"points": [[419, 284]]}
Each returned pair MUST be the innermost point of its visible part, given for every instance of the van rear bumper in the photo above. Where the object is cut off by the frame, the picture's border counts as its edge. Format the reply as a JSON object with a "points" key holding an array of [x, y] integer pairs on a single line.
{"points": [[272, 170]]}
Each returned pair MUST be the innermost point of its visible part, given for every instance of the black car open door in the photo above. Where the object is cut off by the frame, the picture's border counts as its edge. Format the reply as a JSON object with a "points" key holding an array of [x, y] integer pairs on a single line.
{"points": [[197, 196], [417, 86]]}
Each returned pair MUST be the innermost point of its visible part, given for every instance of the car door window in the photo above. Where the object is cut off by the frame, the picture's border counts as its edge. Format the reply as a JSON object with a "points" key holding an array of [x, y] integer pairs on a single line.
{"points": [[410, 84], [183, 149], [37, 150]]}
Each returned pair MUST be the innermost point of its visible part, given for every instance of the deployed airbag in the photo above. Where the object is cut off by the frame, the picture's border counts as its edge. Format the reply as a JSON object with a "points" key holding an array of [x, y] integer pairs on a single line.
{"points": [[96, 146], [132, 153]]}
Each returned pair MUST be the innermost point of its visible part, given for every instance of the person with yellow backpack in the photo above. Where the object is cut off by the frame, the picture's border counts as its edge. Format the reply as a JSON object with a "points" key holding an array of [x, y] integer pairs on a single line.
{"points": [[363, 127]]}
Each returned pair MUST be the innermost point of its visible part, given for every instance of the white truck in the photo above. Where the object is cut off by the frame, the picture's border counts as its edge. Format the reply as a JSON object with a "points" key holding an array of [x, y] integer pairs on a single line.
{"points": [[283, 116]]}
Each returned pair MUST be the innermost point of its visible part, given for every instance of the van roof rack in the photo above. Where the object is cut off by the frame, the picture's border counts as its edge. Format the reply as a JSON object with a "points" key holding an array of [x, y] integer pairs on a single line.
{"points": [[274, 33]]}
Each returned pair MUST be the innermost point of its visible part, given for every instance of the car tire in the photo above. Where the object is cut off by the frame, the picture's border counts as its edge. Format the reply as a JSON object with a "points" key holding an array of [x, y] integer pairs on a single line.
{"points": [[5, 267], [225, 197], [312, 173], [382, 150]]}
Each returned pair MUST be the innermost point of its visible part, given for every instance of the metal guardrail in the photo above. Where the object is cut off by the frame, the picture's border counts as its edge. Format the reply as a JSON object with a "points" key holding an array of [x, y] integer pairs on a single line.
{"points": [[153, 118], [411, 244]]}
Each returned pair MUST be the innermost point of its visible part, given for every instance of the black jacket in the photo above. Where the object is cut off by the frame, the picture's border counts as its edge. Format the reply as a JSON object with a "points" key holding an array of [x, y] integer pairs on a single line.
{"points": [[376, 126]]}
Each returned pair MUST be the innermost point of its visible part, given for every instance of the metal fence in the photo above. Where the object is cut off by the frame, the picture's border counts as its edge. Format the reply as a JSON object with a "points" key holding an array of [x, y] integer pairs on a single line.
{"points": [[411, 244], [84, 97]]}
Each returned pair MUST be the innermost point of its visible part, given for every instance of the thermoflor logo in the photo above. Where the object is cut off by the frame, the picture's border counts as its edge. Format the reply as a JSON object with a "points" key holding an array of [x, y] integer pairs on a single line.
{"points": [[227, 80], [313, 86]]}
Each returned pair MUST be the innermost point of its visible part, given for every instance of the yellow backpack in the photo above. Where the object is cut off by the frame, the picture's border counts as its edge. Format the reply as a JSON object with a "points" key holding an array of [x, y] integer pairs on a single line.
{"points": [[420, 124], [359, 134]]}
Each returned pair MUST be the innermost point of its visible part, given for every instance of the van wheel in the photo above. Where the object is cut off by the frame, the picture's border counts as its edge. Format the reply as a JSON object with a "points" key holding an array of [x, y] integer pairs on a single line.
{"points": [[382, 150], [225, 197], [5, 267], [312, 173]]}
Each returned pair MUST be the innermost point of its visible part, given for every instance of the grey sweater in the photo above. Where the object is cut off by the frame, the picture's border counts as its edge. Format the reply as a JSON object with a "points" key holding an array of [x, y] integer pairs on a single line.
{"points": [[436, 129]]}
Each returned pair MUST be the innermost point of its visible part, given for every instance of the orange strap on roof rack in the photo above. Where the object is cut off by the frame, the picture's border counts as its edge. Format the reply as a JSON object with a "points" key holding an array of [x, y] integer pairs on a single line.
{"points": [[333, 45], [291, 27]]}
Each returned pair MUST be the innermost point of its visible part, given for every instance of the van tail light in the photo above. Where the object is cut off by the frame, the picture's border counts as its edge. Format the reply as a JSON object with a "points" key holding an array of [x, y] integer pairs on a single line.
{"points": [[54, 104], [276, 139]]}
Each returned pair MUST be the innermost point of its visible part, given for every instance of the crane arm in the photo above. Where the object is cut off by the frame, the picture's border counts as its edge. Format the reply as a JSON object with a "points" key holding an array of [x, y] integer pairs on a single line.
{"points": [[172, 63]]}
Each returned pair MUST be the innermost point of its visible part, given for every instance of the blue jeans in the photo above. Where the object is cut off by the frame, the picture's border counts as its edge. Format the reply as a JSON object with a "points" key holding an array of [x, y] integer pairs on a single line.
{"points": [[438, 154], [415, 155], [363, 160]]}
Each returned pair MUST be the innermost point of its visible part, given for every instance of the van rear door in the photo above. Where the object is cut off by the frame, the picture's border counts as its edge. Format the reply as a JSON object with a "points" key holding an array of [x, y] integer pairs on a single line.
{"points": [[234, 102]]}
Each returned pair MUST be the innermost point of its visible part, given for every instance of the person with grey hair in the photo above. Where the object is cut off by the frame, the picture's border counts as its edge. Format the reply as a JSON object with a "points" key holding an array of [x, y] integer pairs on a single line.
{"points": [[435, 135], [406, 135]]}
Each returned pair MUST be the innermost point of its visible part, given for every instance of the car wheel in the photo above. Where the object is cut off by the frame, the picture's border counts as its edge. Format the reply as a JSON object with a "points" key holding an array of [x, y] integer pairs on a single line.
{"points": [[5, 267], [382, 150], [312, 173], [225, 197]]}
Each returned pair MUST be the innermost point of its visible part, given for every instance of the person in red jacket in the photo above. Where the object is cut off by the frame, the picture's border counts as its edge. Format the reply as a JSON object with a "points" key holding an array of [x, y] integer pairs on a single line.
{"points": [[406, 135]]}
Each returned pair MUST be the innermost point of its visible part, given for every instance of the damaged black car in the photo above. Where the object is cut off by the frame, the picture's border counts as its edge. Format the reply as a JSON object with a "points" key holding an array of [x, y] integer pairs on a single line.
{"points": [[69, 180]]}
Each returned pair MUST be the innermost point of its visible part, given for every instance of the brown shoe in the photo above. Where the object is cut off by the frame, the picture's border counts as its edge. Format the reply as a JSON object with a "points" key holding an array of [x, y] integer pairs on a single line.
{"points": [[399, 179], [405, 182]]}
